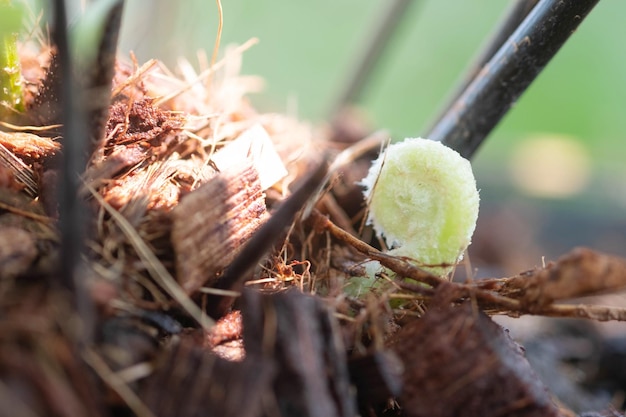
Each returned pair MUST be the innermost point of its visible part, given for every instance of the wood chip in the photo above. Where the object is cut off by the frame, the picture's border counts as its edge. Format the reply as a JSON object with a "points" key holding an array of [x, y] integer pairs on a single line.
{"points": [[29, 146], [459, 362], [298, 334], [377, 377], [192, 382], [212, 223]]}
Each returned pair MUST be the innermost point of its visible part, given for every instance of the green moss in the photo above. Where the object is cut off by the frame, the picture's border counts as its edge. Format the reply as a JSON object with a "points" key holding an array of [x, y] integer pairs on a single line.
{"points": [[11, 92]]}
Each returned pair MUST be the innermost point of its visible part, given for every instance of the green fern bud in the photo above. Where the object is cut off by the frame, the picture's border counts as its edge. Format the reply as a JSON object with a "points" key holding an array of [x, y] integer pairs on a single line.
{"points": [[423, 201]]}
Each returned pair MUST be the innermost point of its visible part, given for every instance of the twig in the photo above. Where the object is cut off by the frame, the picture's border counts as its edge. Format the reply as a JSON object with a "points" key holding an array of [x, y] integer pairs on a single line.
{"points": [[397, 265], [599, 313], [99, 75], [344, 158], [71, 209], [134, 77], [217, 291], [28, 128], [337, 213], [581, 273], [27, 214], [135, 372], [509, 72]]}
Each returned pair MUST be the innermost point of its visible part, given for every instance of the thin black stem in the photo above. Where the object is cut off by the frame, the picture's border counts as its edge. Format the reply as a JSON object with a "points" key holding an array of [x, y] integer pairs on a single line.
{"points": [[387, 25], [99, 76], [76, 121], [513, 17], [508, 73], [70, 210]]}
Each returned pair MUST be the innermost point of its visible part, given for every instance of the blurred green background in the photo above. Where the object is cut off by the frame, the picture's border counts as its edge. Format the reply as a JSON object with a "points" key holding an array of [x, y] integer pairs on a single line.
{"points": [[306, 49]]}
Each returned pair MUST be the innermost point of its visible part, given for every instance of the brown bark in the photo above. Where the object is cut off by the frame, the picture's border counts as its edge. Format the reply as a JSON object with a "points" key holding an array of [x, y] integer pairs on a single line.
{"points": [[297, 333], [460, 363], [211, 224], [192, 382]]}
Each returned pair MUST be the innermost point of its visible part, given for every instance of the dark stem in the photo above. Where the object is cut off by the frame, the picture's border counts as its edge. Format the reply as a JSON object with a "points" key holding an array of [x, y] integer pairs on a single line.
{"points": [[508, 73], [99, 77], [513, 17], [71, 211], [76, 122]]}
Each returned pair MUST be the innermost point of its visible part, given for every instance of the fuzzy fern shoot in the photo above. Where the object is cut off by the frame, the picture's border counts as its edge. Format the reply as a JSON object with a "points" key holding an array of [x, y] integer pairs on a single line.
{"points": [[423, 201]]}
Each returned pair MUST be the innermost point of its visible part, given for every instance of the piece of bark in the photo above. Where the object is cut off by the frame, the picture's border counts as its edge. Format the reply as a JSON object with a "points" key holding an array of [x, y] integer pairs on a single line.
{"points": [[41, 371], [18, 252], [298, 334], [189, 382], [121, 158], [29, 147], [225, 338], [139, 122], [459, 362], [264, 240], [226, 329], [28, 240], [377, 377], [212, 223]]}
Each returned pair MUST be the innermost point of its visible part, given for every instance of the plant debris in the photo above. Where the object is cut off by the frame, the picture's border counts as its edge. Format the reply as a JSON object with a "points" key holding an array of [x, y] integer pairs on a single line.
{"points": [[492, 379], [210, 225], [202, 208]]}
